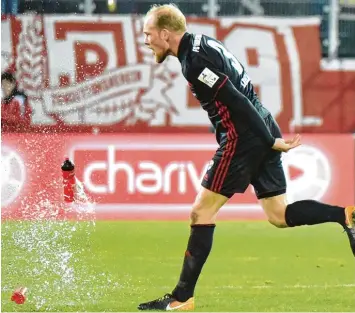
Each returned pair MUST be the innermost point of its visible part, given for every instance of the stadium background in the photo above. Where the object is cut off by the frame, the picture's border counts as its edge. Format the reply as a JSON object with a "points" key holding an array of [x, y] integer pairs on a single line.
{"points": [[141, 144]]}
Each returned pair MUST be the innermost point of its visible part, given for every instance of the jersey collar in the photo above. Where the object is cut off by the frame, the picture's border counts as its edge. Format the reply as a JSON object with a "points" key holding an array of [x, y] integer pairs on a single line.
{"points": [[183, 46]]}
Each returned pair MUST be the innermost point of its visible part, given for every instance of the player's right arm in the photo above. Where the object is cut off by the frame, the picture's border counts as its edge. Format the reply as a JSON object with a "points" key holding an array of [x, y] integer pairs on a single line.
{"points": [[241, 105]]}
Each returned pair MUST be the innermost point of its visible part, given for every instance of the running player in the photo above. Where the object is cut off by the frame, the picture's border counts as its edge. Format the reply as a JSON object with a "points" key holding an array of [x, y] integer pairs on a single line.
{"points": [[250, 147]]}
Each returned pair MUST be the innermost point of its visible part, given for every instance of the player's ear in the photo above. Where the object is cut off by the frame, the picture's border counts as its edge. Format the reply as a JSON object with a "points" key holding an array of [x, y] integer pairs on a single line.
{"points": [[164, 34]]}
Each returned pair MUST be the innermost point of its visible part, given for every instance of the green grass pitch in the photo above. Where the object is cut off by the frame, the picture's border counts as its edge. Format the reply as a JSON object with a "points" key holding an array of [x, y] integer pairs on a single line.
{"points": [[115, 265]]}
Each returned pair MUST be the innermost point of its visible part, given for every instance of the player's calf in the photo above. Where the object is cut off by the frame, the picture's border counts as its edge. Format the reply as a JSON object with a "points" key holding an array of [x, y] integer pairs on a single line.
{"points": [[278, 222], [204, 210], [309, 212], [304, 212]]}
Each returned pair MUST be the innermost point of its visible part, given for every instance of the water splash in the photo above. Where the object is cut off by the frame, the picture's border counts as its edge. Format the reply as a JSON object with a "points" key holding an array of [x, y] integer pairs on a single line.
{"points": [[48, 252]]}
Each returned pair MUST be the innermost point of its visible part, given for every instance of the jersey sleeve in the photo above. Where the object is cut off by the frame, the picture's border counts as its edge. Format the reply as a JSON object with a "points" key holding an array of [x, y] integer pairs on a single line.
{"points": [[239, 104]]}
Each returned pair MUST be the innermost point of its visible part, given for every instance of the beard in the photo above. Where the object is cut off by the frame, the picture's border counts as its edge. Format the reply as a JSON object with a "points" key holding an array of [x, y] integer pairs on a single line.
{"points": [[160, 58]]}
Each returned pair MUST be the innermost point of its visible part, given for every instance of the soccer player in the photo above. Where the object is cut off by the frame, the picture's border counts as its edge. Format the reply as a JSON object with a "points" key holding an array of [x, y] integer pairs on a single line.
{"points": [[250, 147]]}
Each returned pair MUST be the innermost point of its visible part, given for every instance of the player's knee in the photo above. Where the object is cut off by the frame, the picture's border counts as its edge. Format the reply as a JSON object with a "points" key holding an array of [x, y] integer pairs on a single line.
{"points": [[206, 206], [203, 211], [275, 208], [201, 214], [277, 222]]}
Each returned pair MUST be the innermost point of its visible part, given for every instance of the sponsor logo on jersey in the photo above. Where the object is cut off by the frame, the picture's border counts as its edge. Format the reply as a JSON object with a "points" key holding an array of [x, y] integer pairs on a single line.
{"points": [[208, 77]]}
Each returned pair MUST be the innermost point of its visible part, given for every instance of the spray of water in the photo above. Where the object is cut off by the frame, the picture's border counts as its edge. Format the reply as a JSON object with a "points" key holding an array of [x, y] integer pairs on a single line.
{"points": [[44, 252]]}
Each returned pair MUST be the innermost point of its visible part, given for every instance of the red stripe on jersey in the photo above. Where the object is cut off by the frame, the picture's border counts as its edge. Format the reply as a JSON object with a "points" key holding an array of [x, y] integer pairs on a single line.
{"points": [[232, 136], [220, 86], [229, 151]]}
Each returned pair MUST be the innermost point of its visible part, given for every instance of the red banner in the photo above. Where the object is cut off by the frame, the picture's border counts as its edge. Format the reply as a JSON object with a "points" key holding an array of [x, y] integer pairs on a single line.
{"points": [[156, 176], [94, 74]]}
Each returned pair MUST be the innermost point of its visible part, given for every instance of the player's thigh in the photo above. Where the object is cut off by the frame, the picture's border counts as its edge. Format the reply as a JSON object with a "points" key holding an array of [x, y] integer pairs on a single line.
{"points": [[270, 188], [275, 209], [206, 206], [270, 182], [270, 178], [233, 167]]}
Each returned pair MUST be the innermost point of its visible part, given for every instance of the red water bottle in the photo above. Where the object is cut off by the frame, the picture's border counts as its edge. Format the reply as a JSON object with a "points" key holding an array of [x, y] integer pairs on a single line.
{"points": [[68, 180], [19, 295]]}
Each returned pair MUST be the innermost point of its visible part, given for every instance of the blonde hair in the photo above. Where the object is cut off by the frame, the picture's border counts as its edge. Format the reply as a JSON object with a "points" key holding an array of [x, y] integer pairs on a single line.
{"points": [[168, 16]]}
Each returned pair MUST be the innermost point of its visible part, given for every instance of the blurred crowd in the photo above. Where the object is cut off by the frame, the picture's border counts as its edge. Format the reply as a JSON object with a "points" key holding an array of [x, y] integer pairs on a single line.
{"points": [[15, 109]]}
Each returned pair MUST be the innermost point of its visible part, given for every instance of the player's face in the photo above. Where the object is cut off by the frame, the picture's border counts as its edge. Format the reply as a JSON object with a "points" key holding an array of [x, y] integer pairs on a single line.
{"points": [[156, 39], [7, 87]]}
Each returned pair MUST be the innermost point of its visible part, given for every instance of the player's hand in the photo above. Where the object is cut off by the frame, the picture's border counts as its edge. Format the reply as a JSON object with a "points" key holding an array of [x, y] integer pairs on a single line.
{"points": [[286, 145]]}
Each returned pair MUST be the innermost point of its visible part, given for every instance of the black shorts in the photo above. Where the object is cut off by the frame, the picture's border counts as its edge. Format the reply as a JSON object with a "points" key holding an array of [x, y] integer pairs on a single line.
{"points": [[245, 161]]}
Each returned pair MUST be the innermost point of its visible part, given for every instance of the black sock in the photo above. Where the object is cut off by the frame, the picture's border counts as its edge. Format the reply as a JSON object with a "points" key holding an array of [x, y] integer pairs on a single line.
{"points": [[310, 212], [198, 249]]}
